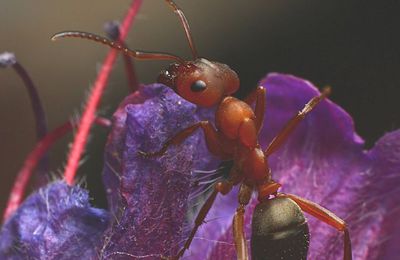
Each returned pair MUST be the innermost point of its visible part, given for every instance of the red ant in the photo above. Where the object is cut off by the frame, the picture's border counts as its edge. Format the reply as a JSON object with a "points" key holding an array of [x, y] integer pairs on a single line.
{"points": [[208, 83]]}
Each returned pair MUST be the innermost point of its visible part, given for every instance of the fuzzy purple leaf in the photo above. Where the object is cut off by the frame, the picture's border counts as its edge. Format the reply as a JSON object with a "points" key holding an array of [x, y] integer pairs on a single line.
{"points": [[149, 196], [56, 222]]}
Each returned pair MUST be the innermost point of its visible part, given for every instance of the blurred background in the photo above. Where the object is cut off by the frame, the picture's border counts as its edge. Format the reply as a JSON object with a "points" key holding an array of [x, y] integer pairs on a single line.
{"points": [[354, 46]]}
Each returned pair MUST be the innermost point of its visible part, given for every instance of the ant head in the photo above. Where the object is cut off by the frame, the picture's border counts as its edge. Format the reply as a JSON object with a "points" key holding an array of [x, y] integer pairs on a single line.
{"points": [[201, 82]]}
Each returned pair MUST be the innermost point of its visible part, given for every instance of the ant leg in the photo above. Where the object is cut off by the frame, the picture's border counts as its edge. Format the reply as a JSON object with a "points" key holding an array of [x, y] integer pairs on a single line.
{"points": [[326, 216], [288, 129], [252, 96], [238, 222], [198, 222], [258, 96], [238, 234], [260, 107], [211, 134]]}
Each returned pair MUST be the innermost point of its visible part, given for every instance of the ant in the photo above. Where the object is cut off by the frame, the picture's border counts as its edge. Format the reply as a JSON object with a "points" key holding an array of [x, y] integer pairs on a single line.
{"points": [[234, 137]]}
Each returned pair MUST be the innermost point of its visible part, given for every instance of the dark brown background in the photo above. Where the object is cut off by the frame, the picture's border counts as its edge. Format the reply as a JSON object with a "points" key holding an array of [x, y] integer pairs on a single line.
{"points": [[353, 46]]}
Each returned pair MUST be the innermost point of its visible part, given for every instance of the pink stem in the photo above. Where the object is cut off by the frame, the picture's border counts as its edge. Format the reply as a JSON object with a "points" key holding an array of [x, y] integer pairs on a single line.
{"points": [[32, 160], [88, 117]]}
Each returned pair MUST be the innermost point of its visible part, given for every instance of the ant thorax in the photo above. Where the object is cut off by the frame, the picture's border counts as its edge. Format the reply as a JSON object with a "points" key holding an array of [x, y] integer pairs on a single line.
{"points": [[229, 117]]}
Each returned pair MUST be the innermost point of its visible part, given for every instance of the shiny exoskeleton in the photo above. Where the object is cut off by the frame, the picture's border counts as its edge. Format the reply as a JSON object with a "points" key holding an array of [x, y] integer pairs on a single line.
{"points": [[235, 137], [279, 231]]}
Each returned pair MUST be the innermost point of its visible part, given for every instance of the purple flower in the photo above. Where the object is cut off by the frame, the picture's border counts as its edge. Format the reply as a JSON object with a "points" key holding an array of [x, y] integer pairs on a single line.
{"points": [[323, 161], [56, 222], [152, 202]]}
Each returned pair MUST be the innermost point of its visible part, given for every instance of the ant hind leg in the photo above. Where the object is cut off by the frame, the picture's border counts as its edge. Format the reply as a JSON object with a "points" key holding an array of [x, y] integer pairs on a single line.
{"points": [[325, 216], [198, 222], [238, 222]]}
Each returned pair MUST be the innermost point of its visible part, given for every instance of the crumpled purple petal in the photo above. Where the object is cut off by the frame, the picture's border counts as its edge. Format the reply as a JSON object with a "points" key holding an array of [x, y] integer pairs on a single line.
{"points": [[324, 161], [149, 197], [380, 198], [56, 222]]}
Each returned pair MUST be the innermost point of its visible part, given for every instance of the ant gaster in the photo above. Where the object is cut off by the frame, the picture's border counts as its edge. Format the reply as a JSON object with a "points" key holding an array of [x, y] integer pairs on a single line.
{"points": [[235, 137]]}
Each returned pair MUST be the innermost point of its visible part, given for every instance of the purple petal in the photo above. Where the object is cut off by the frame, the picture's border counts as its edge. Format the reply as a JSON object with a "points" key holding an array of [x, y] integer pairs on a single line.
{"points": [[149, 197], [57, 222], [322, 152], [379, 199], [215, 234], [324, 161]]}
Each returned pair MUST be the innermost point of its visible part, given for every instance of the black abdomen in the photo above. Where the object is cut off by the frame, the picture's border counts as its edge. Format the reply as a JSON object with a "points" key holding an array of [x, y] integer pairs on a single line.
{"points": [[279, 231]]}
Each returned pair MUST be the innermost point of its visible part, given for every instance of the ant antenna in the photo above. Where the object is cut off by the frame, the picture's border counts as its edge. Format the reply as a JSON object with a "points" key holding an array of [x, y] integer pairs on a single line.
{"points": [[140, 55], [185, 25]]}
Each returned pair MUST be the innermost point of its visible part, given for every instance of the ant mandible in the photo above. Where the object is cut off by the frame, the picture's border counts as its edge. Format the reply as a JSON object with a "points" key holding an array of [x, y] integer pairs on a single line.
{"points": [[235, 137]]}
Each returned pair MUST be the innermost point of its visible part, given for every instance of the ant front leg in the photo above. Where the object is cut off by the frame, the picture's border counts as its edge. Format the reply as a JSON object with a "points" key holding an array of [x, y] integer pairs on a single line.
{"points": [[258, 95], [290, 126], [211, 134], [327, 217]]}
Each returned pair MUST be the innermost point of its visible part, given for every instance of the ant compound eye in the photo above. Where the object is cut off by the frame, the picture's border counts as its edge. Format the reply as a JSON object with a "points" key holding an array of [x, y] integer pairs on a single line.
{"points": [[198, 86]]}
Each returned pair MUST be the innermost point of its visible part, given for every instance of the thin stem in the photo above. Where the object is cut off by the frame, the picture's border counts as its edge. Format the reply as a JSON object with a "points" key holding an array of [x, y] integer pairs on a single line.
{"points": [[88, 117], [9, 60], [130, 71], [31, 162], [112, 30], [37, 107], [40, 120]]}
